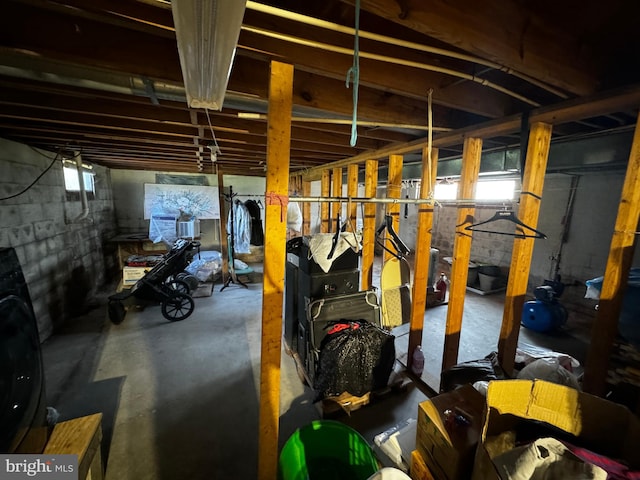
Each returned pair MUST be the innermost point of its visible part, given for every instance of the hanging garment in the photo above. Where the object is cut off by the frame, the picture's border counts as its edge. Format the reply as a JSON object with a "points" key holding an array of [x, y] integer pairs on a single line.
{"points": [[257, 234], [241, 227]]}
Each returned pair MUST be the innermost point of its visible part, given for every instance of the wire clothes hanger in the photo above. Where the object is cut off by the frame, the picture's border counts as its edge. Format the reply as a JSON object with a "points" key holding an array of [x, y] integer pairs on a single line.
{"points": [[522, 230], [400, 247]]}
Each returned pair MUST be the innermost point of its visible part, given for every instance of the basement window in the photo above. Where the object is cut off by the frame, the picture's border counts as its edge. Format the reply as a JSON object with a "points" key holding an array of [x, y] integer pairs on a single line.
{"points": [[496, 190], [72, 180], [485, 190]]}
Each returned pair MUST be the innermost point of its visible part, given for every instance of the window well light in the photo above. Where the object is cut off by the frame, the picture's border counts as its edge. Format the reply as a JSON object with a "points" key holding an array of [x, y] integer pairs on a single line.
{"points": [[207, 32]]}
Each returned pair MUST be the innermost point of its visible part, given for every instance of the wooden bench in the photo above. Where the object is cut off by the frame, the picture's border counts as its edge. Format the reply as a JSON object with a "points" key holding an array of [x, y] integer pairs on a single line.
{"points": [[83, 437]]}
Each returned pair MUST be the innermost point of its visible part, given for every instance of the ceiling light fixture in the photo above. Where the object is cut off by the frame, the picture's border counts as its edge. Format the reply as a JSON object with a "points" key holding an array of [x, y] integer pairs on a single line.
{"points": [[207, 32]]}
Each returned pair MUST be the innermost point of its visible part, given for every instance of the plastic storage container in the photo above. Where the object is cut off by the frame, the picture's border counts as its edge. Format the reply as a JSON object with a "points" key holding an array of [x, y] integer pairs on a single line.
{"points": [[326, 449]]}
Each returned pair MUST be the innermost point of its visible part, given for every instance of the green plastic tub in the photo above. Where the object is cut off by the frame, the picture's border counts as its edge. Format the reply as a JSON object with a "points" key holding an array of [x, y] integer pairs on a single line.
{"points": [[326, 450]]}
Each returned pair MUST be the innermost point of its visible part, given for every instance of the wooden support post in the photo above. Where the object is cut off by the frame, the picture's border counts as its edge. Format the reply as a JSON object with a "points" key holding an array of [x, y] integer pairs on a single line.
{"points": [[461, 251], [616, 275], [352, 191], [223, 227], [306, 209], [532, 184], [394, 189], [336, 208], [369, 223], [277, 185], [423, 252], [325, 191]]}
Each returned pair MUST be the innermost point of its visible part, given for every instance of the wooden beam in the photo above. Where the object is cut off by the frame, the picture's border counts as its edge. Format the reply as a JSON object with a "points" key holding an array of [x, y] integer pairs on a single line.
{"points": [[602, 103], [316, 90], [82, 41], [336, 208], [532, 184], [621, 99], [352, 191], [461, 251], [394, 190], [369, 223], [503, 31], [378, 81], [277, 185], [492, 128], [325, 191], [423, 252], [605, 327], [306, 209]]}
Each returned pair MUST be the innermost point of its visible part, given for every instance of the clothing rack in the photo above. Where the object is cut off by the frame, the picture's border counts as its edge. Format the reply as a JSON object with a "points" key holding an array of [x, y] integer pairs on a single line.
{"points": [[232, 277]]}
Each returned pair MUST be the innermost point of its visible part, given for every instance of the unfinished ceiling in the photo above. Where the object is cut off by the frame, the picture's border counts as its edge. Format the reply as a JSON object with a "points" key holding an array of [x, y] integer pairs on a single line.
{"points": [[103, 76]]}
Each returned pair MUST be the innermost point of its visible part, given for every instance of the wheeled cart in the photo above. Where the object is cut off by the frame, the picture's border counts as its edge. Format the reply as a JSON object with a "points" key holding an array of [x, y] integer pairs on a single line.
{"points": [[161, 284]]}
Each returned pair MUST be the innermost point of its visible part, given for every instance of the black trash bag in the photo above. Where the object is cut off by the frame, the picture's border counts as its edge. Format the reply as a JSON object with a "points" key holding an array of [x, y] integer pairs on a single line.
{"points": [[355, 357], [485, 369]]}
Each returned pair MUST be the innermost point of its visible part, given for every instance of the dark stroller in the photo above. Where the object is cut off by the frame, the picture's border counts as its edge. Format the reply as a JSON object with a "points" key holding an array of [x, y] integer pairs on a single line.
{"points": [[161, 284]]}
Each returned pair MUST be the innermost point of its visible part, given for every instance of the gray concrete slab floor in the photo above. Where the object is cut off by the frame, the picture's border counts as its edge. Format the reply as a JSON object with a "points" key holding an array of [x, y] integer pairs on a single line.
{"points": [[181, 399]]}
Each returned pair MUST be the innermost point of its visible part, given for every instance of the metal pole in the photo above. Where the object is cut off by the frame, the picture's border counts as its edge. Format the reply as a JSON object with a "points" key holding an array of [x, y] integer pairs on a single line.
{"points": [[362, 200]]}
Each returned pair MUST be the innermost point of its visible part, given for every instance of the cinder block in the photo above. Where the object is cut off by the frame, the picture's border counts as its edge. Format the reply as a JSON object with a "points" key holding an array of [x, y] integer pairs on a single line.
{"points": [[10, 215], [32, 212], [21, 235], [44, 229], [31, 271], [34, 251], [48, 264]]}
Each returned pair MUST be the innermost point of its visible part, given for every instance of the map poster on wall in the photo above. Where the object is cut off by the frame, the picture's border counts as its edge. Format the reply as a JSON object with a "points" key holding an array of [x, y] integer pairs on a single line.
{"points": [[199, 201]]}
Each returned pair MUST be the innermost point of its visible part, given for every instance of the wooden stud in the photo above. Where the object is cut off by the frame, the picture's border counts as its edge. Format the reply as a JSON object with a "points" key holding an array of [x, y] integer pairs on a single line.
{"points": [[394, 189], [423, 252], [461, 251], [605, 327], [223, 226], [306, 209], [325, 191], [336, 208], [277, 185], [352, 191], [532, 182], [369, 223]]}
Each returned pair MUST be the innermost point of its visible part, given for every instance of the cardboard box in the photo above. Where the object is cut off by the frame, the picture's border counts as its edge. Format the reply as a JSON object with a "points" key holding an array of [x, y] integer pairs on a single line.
{"points": [[419, 469], [449, 427], [130, 275], [516, 408]]}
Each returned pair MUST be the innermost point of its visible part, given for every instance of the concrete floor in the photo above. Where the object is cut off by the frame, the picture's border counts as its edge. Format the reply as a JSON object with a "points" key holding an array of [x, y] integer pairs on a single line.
{"points": [[180, 400]]}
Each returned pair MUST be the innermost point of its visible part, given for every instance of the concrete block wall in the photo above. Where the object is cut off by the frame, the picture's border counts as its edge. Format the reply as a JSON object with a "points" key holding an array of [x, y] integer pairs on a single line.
{"points": [[128, 192], [584, 256], [63, 261]]}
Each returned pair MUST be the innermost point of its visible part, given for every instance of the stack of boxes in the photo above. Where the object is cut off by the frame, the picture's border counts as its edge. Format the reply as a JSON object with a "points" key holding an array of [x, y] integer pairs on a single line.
{"points": [[462, 435], [305, 283]]}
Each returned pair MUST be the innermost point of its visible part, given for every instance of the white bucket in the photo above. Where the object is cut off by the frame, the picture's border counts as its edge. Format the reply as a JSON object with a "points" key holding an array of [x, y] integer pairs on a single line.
{"points": [[389, 473]]}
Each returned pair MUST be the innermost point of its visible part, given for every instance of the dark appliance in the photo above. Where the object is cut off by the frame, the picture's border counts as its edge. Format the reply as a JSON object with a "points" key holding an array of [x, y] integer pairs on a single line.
{"points": [[321, 285], [291, 303], [23, 426]]}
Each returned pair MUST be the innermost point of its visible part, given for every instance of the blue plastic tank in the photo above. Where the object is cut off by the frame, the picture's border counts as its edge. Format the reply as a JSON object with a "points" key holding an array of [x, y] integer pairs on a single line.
{"points": [[543, 316]]}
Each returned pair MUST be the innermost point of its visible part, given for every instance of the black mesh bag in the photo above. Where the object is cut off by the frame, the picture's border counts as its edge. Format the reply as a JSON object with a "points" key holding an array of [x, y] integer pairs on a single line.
{"points": [[355, 357]]}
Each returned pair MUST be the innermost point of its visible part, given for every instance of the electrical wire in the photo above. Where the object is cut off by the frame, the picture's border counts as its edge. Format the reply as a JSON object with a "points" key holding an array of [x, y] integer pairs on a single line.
{"points": [[38, 177], [215, 141]]}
